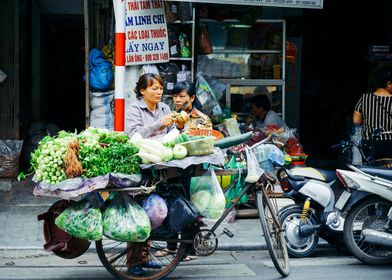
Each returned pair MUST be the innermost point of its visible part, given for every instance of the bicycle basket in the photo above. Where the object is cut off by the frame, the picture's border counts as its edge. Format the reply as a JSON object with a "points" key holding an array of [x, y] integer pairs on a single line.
{"points": [[200, 147]]}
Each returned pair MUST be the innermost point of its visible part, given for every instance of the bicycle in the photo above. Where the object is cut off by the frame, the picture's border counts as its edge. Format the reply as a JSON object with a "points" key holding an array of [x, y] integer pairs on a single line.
{"points": [[113, 254], [366, 150]]}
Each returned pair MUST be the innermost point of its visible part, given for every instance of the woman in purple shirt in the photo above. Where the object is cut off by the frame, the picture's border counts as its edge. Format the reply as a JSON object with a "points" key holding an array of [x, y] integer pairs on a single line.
{"points": [[148, 116]]}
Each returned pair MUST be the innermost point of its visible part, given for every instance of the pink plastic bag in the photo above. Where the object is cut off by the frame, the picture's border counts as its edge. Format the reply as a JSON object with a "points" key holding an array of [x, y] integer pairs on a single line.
{"points": [[156, 209]]}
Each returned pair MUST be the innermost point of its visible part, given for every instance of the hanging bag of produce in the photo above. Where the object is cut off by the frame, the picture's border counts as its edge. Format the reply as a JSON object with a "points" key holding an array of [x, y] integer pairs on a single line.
{"points": [[180, 212], [207, 195], [156, 209], [253, 167], [82, 220], [124, 220]]}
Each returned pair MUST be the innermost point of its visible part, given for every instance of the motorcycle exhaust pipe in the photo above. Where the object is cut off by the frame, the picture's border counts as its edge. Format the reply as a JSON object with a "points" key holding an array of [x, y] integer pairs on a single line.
{"points": [[377, 237]]}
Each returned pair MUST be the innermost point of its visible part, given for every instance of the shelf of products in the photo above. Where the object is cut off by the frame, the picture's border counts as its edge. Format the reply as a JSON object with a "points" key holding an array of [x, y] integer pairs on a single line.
{"points": [[249, 58], [180, 17]]}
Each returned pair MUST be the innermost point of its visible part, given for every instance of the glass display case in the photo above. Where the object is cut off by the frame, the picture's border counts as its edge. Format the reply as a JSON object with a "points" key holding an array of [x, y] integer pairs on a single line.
{"points": [[249, 58]]}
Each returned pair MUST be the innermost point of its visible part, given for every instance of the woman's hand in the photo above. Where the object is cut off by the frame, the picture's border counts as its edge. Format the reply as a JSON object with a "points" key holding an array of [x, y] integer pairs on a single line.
{"points": [[168, 120], [182, 119]]}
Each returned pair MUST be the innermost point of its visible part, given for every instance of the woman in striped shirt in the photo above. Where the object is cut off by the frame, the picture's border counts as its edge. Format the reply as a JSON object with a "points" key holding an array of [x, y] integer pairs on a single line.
{"points": [[374, 112]]}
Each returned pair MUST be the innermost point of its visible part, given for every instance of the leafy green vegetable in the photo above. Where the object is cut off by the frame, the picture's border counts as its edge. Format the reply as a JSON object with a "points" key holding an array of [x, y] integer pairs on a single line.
{"points": [[126, 221], [116, 157], [81, 220]]}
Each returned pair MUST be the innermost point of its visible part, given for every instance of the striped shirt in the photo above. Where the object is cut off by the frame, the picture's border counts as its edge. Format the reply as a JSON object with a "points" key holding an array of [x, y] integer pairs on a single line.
{"points": [[374, 115]]}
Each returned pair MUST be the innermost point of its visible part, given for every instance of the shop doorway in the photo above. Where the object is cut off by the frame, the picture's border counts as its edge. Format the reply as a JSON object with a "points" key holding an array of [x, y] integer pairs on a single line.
{"points": [[62, 71]]}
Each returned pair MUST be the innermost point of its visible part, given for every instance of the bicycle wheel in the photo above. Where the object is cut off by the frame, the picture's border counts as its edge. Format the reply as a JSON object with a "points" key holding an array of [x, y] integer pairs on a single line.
{"points": [[273, 234], [113, 255]]}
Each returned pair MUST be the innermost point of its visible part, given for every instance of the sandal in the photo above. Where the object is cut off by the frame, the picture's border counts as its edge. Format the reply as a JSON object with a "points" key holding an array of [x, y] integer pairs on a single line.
{"points": [[164, 253], [189, 258]]}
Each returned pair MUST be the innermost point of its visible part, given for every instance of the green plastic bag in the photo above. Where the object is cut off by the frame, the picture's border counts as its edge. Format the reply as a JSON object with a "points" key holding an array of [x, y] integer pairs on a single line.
{"points": [[124, 220], [235, 190], [82, 220]]}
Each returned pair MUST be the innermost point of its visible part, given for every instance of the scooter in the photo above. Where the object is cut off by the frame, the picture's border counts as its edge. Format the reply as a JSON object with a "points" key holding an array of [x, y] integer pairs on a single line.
{"points": [[367, 228], [313, 214]]}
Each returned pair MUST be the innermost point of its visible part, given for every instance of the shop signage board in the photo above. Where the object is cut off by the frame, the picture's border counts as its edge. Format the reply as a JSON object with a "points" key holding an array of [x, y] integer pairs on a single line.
{"points": [[310, 4], [145, 32]]}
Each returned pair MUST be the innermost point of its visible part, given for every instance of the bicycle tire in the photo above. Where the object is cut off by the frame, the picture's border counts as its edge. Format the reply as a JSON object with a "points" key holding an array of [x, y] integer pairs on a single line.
{"points": [[113, 256], [276, 244]]}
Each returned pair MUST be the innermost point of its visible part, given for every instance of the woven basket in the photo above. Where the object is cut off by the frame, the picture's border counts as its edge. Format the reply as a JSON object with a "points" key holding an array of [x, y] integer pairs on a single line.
{"points": [[206, 132], [200, 147]]}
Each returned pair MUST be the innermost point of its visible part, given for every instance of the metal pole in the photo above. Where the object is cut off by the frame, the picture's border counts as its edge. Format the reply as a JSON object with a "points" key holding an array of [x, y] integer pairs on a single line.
{"points": [[87, 64], [119, 78]]}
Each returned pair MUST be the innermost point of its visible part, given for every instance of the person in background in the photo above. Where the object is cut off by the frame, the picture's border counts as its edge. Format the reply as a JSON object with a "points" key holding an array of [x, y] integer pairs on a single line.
{"points": [[374, 112], [148, 116], [262, 113], [185, 92]]}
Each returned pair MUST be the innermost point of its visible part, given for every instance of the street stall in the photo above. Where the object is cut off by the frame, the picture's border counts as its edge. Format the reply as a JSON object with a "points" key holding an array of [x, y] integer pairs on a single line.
{"points": [[127, 191]]}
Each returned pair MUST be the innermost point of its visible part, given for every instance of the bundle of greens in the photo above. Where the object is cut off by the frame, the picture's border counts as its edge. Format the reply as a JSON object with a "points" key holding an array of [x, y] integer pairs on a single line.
{"points": [[115, 157], [47, 161]]}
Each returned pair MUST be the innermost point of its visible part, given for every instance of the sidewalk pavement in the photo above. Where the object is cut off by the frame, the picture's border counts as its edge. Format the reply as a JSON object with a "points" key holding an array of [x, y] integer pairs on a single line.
{"points": [[20, 229]]}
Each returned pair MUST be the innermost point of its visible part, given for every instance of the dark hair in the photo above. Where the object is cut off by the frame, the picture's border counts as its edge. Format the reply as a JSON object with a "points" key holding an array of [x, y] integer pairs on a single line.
{"points": [[190, 89], [145, 81], [262, 101], [382, 76]]}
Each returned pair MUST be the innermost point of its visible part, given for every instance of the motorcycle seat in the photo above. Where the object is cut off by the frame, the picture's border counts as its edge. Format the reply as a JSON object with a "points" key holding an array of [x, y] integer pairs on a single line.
{"points": [[385, 173], [314, 173]]}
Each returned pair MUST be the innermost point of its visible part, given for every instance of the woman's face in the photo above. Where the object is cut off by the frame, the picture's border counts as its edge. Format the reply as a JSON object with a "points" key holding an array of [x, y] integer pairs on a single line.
{"points": [[182, 97], [153, 93]]}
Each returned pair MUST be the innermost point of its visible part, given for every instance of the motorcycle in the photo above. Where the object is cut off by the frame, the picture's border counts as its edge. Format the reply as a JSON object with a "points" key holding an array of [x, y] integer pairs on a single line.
{"points": [[367, 228], [313, 214]]}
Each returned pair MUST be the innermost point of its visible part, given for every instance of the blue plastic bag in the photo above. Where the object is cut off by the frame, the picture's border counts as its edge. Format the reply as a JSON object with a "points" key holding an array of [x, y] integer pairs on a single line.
{"points": [[101, 74]]}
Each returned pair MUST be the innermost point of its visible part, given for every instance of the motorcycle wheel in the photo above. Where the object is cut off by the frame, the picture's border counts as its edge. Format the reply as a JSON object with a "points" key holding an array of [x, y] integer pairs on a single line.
{"points": [[371, 213], [297, 246]]}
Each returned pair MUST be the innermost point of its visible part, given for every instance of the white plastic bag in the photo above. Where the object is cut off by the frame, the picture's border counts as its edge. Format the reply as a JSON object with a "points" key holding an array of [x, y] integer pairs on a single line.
{"points": [[253, 167], [207, 195], [2, 76]]}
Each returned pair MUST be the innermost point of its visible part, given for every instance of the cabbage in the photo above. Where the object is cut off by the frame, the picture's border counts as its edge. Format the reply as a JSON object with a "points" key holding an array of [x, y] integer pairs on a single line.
{"points": [[201, 200], [216, 207], [179, 152]]}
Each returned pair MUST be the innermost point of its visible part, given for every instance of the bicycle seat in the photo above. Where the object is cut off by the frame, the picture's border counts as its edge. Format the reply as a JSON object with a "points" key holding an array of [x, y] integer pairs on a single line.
{"points": [[385, 173], [314, 173]]}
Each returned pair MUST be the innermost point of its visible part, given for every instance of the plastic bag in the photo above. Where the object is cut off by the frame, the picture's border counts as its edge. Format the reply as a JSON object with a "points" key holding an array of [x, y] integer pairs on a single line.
{"points": [[180, 213], [3, 76], [121, 180], [207, 97], [101, 74], [82, 220], [204, 41], [253, 167], [9, 157], [235, 191], [124, 220], [207, 195], [156, 209]]}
